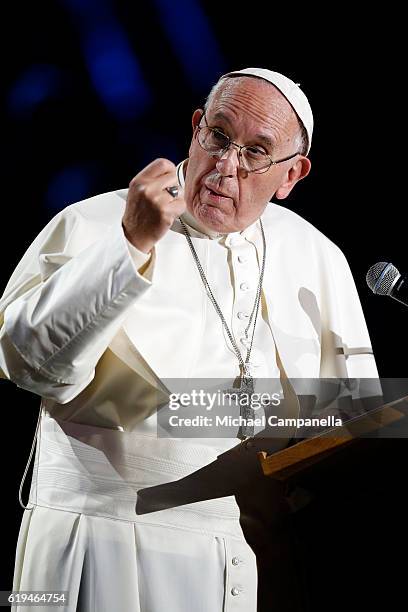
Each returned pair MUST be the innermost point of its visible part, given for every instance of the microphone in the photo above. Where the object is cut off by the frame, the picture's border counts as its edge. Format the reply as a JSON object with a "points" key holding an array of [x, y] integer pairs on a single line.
{"points": [[384, 279]]}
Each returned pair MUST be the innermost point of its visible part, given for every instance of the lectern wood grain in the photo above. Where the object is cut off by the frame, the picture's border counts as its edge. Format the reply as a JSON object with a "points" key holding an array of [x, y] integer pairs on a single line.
{"points": [[293, 460]]}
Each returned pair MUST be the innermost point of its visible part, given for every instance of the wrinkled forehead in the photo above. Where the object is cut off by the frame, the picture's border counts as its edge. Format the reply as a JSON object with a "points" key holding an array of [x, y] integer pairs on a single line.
{"points": [[256, 105], [248, 94]]}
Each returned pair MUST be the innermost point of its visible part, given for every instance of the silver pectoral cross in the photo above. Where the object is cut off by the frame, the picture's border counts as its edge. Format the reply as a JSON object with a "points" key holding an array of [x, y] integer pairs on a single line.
{"points": [[243, 395]]}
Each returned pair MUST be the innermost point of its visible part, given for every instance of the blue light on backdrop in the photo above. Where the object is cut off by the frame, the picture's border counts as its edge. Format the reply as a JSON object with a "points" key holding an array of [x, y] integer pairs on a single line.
{"points": [[114, 70], [115, 75], [70, 184], [189, 32], [33, 87]]}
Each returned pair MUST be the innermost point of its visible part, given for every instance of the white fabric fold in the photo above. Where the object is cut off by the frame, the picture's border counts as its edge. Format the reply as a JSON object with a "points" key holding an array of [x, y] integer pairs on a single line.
{"points": [[57, 325]]}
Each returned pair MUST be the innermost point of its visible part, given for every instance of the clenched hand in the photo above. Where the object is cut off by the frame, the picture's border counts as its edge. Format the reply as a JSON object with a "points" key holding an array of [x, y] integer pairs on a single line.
{"points": [[150, 209]]}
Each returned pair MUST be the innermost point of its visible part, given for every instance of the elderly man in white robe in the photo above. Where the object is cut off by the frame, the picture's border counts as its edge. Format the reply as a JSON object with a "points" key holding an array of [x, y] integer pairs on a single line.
{"points": [[190, 273]]}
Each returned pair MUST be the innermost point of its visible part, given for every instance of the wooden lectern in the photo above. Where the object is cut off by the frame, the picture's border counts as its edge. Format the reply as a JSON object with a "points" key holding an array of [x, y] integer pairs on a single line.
{"points": [[293, 460], [333, 546]]}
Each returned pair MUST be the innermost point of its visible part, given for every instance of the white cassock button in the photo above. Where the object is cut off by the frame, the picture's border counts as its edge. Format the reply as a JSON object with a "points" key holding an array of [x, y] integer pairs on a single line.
{"points": [[242, 259], [244, 286], [235, 560], [234, 591], [242, 315]]}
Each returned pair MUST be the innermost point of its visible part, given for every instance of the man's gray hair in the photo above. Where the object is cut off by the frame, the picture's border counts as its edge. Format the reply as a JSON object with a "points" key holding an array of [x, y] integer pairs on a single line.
{"points": [[301, 139]]}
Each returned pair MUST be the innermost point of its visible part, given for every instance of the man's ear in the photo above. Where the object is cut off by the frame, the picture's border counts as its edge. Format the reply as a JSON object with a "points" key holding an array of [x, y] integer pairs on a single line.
{"points": [[195, 120], [296, 172]]}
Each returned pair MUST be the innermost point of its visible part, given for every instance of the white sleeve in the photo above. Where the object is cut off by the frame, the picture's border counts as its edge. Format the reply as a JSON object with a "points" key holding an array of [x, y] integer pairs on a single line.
{"points": [[351, 326], [347, 338], [64, 303]]}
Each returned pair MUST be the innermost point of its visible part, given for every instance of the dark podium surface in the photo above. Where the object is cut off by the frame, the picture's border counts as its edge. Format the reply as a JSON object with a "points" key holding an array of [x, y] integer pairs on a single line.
{"points": [[332, 534]]}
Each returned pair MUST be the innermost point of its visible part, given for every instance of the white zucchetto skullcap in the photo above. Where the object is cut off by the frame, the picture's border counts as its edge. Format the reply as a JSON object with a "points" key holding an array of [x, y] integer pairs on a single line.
{"points": [[289, 89]]}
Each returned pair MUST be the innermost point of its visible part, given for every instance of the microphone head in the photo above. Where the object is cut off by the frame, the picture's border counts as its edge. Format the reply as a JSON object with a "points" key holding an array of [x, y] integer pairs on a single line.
{"points": [[381, 277]]}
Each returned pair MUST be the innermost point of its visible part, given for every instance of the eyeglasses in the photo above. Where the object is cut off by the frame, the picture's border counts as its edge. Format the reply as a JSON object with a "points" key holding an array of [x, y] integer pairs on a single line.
{"points": [[252, 158]]}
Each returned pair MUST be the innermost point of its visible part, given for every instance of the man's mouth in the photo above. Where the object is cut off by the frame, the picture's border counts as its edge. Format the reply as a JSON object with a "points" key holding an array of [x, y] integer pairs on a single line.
{"points": [[216, 196], [218, 193]]}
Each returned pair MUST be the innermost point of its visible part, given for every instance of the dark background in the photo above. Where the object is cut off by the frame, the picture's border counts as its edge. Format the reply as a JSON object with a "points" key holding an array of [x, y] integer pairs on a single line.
{"points": [[96, 90]]}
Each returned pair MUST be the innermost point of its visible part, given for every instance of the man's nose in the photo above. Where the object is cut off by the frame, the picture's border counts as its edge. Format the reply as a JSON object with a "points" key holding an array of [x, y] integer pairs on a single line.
{"points": [[228, 162]]}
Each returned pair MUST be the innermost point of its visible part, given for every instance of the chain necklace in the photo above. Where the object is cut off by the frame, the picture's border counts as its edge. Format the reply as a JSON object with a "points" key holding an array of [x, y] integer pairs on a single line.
{"points": [[246, 381]]}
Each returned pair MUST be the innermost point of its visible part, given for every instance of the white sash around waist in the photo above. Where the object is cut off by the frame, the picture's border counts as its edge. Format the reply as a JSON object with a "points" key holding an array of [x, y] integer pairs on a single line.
{"points": [[98, 471]]}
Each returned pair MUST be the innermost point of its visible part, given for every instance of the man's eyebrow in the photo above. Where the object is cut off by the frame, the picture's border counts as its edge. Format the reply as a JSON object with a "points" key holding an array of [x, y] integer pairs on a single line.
{"points": [[266, 139], [220, 116]]}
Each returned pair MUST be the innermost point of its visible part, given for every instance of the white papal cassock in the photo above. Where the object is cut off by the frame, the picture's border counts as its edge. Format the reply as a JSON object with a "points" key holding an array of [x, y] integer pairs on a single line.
{"points": [[98, 330]]}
